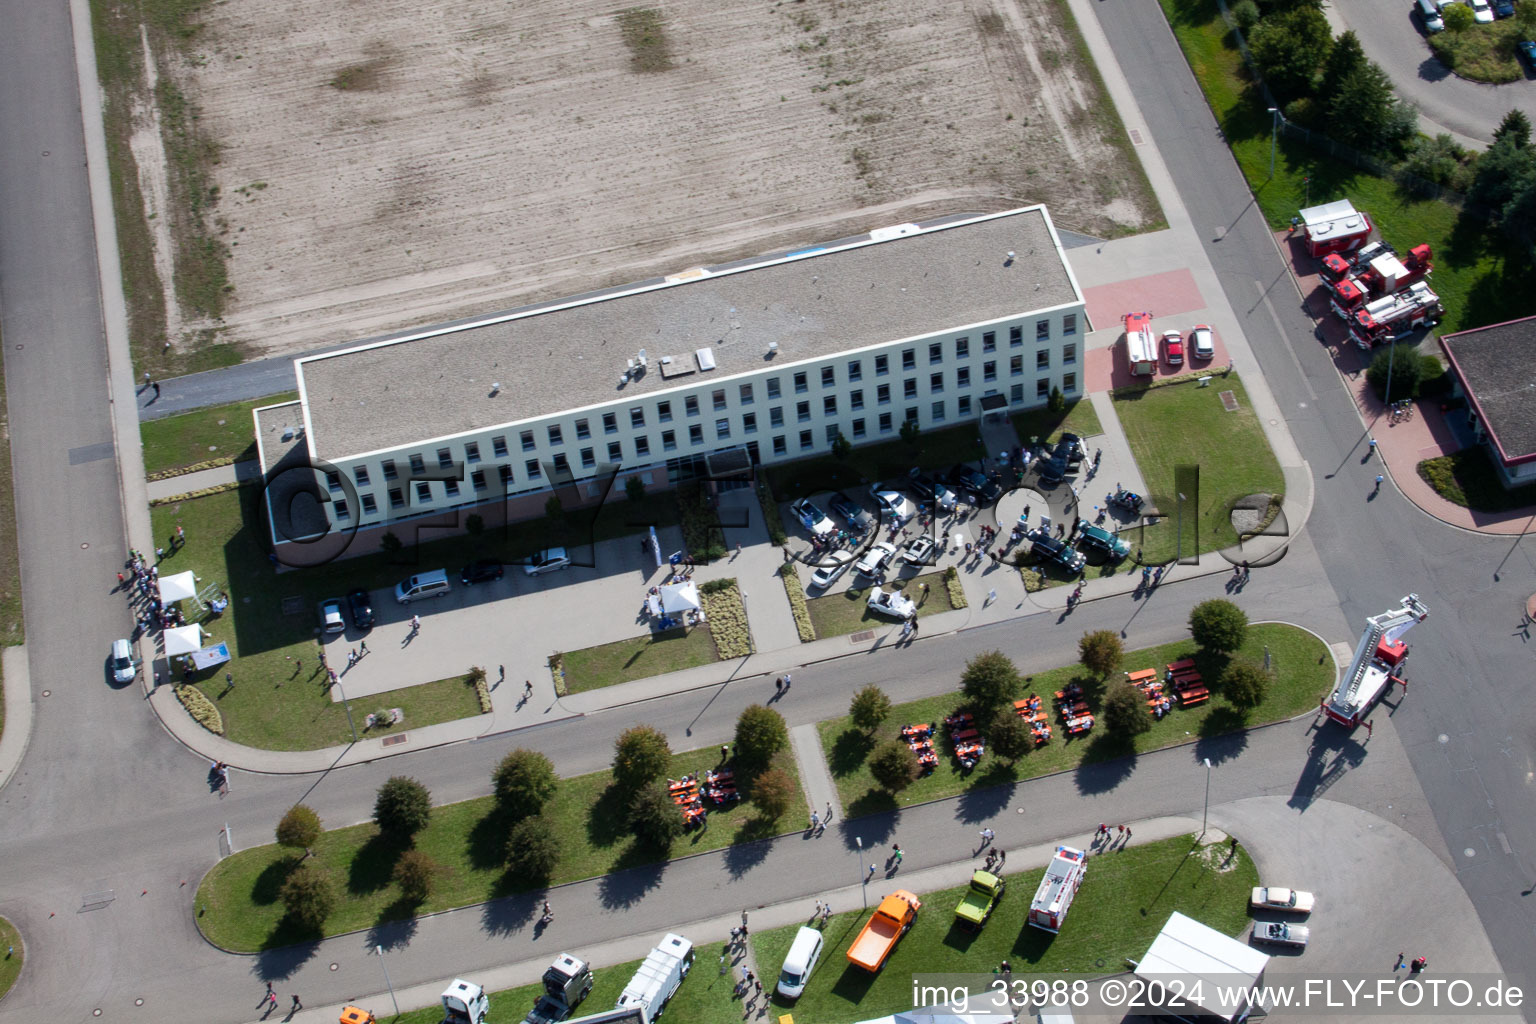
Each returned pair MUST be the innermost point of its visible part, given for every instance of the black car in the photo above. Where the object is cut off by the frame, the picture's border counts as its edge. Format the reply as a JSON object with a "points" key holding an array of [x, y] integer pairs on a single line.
{"points": [[481, 571], [1047, 548], [361, 608], [1063, 460], [982, 490], [921, 484], [857, 515], [1072, 445]]}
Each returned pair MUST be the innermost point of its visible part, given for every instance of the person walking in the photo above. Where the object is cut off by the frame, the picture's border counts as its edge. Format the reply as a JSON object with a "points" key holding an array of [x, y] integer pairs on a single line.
{"points": [[527, 689], [415, 624], [1002, 858], [362, 649], [870, 875], [817, 912], [815, 822], [1378, 484], [778, 685], [1400, 963], [297, 1006], [987, 835], [896, 853], [1372, 449], [743, 924], [825, 818], [826, 912], [787, 680]]}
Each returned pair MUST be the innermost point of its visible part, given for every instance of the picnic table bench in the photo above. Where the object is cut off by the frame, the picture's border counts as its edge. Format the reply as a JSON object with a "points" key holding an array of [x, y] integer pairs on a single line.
{"points": [[963, 735], [1180, 665], [1142, 677], [1194, 695]]}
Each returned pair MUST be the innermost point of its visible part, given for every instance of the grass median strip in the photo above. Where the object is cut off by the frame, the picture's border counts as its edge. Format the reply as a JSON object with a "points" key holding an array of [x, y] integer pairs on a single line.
{"points": [[10, 962], [1186, 442], [239, 898], [218, 434], [640, 657], [1125, 899], [847, 612], [1303, 673]]}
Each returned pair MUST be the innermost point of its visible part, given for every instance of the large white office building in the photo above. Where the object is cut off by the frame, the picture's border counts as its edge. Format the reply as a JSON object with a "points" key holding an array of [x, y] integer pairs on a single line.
{"points": [[766, 359]]}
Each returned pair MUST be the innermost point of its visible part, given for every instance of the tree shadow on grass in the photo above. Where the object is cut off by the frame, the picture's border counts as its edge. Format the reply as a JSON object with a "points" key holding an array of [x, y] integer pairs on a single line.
{"points": [[638, 870], [373, 865], [509, 914], [486, 844], [849, 751], [265, 891], [395, 926], [607, 821], [1109, 761]]}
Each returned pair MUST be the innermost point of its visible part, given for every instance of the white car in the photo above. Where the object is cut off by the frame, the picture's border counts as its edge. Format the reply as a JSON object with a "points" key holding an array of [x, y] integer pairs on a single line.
{"points": [[893, 504], [831, 567], [330, 616], [895, 605], [1201, 344], [813, 518], [919, 551], [1281, 934], [124, 665], [875, 558], [1271, 898], [1482, 11], [552, 560]]}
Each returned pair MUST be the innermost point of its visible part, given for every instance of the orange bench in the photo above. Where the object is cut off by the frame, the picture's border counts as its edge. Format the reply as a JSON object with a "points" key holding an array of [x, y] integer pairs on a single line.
{"points": [[1195, 696], [1177, 666], [963, 735], [1142, 677]]}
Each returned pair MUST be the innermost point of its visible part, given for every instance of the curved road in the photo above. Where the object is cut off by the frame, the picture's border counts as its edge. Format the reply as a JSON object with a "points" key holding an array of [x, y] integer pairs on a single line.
{"points": [[104, 802]]}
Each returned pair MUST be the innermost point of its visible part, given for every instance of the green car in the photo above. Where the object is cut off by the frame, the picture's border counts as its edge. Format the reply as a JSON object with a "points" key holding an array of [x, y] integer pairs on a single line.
{"points": [[977, 903], [1098, 539]]}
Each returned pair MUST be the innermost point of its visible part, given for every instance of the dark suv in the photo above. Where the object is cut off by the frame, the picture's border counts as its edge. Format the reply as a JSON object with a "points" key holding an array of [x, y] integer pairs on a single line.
{"points": [[858, 517], [982, 490], [1066, 457], [482, 571], [1047, 548]]}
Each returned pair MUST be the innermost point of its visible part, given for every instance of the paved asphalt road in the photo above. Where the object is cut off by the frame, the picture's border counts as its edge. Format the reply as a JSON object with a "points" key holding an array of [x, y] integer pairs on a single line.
{"points": [[1469, 726], [1391, 37], [104, 802]]}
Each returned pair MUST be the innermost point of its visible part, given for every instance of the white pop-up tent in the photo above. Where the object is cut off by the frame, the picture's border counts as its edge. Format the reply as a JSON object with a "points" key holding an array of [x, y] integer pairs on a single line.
{"points": [[183, 640], [679, 597], [178, 587], [1188, 956]]}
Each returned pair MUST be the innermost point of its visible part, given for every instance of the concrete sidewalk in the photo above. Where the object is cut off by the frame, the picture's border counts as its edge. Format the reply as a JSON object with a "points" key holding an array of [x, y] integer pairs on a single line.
{"points": [[245, 471]]}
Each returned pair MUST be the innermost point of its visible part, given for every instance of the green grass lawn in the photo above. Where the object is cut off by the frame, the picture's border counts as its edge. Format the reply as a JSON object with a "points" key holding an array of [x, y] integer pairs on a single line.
{"points": [[1481, 278], [1126, 898], [1483, 53], [704, 997], [10, 963], [638, 658], [269, 707], [1185, 442], [1079, 418], [1303, 673], [219, 433], [846, 612], [936, 451], [238, 900]]}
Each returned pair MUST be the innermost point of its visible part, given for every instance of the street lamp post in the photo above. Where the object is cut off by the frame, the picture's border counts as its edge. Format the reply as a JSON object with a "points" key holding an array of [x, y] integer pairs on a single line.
{"points": [[1205, 815], [863, 882], [1274, 131], [379, 950]]}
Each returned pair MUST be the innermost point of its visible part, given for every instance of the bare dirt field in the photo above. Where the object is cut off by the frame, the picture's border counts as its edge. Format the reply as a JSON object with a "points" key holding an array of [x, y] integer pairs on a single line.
{"points": [[390, 163]]}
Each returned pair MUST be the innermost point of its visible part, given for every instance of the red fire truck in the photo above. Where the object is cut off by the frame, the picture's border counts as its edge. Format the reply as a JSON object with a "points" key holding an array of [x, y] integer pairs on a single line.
{"points": [[1334, 227], [1054, 897], [1378, 659], [1384, 320], [1384, 275]]}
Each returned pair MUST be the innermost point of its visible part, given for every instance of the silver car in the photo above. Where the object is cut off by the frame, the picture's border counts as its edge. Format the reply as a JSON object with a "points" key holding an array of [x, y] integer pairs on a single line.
{"points": [[1280, 933], [550, 561]]}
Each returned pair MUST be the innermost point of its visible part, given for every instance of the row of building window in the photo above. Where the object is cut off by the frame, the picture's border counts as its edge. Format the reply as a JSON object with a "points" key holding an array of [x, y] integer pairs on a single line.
{"points": [[534, 472]]}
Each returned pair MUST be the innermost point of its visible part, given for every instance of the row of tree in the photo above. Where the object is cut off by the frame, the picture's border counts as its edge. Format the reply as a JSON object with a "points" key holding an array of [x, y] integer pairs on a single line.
{"points": [[523, 783], [991, 683]]}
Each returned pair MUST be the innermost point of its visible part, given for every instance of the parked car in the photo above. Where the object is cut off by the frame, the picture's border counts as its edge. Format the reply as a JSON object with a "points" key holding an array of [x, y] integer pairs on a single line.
{"points": [[813, 518], [1527, 49], [982, 491], [481, 571], [893, 504], [1173, 348], [552, 560], [1281, 934], [330, 617], [1201, 344], [1503, 8], [895, 605], [124, 665], [832, 566], [919, 550], [857, 515], [922, 484], [1048, 548], [875, 558], [1267, 897], [1482, 11], [1063, 460], [1100, 541], [361, 606]]}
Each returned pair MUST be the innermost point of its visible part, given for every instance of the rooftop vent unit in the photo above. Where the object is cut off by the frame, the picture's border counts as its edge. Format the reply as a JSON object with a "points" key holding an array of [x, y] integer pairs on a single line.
{"points": [[705, 357], [773, 349]]}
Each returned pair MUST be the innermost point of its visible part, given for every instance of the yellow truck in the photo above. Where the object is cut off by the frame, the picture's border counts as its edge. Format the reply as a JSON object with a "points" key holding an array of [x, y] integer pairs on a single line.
{"points": [[890, 922]]}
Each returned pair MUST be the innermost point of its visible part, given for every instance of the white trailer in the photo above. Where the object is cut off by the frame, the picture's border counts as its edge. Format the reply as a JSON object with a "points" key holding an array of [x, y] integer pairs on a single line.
{"points": [[1054, 897], [658, 977], [1377, 659], [1140, 344]]}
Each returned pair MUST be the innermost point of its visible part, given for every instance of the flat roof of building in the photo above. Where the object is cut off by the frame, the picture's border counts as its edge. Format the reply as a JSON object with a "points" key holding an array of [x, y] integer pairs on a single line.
{"points": [[900, 282], [1497, 367]]}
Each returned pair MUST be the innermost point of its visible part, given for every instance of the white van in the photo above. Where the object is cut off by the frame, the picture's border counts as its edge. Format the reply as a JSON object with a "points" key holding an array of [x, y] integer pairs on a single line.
{"points": [[799, 962], [421, 586]]}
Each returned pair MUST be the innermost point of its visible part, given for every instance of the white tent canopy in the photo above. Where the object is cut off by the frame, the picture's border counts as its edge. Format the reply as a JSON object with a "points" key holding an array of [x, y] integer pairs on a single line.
{"points": [[178, 587], [679, 597], [1188, 956], [183, 640]]}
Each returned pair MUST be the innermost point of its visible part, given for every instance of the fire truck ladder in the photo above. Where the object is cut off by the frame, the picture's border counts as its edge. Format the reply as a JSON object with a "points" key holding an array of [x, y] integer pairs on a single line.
{"points": [[1388, 627]]}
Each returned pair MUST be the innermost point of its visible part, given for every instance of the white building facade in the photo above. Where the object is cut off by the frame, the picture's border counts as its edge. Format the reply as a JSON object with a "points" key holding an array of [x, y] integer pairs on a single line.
{"points": [[750, 357]]}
